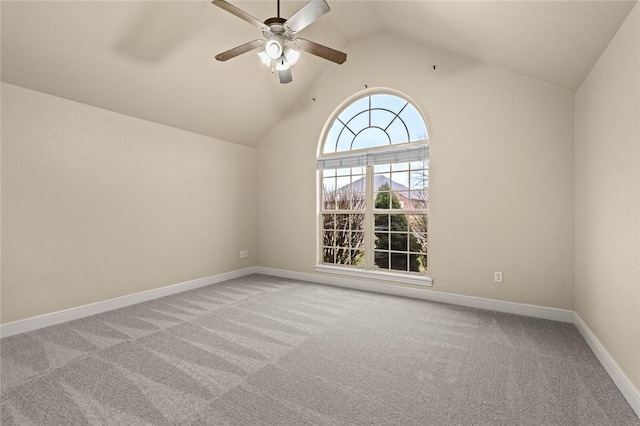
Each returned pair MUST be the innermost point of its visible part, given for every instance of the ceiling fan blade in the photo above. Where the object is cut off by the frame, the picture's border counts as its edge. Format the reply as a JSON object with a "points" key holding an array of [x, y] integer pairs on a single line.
{"points": [[320, 50], [285, 76], [243, 48], [240, 13], [307, 15]]}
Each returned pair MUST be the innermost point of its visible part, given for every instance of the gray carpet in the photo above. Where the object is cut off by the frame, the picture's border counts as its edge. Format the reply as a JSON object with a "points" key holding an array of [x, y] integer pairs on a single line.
{"points": [[266, 351]]}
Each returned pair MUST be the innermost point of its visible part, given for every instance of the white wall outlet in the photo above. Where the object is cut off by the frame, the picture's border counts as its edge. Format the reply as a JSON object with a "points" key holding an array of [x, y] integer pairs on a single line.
{"points": [[497, 277], [244, 253]]}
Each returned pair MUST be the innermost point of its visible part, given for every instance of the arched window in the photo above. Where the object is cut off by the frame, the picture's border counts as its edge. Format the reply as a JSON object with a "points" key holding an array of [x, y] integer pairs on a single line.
{"points": [[373, 164]]}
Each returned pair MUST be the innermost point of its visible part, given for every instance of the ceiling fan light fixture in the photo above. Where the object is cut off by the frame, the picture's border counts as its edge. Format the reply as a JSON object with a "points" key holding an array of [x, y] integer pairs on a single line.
{"points": [[282, 64], [273, 48], [280, 48], [292, 55], [264, 58]]}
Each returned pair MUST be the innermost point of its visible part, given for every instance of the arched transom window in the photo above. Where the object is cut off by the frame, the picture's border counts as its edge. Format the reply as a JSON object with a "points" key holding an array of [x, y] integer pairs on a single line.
{"points": [[375, 121], [374, 174]]}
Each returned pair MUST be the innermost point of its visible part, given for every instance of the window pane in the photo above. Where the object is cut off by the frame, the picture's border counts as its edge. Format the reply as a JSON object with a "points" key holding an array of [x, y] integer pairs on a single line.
{"points": [[414, 122], [397, 167], [332, 137], [343, 239], [329, 200], [381, 222], [352, 110], [357, 258], [402, 200], [329, 184], [359, 122], [342, 256], [390, 102], [342, 221], [398, 132], [417, 165], [344, 140], [398, 222], [328, 238], [381, 259], [381, 118], [418, 223], [328, 255], [329, 221], [342, 182], [418, 263], [360, 171], [383, 199], [357, 222], [422, 238], [418, 179], [370, 138], [381, 168], [357, 200], [357, 240], [399, 261], [382, 240], [400, 180], [341, 200], [398, 242]]}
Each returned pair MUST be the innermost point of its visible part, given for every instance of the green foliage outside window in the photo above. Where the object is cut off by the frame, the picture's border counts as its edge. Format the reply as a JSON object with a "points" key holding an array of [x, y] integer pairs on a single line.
{"points": [[393, 233]]}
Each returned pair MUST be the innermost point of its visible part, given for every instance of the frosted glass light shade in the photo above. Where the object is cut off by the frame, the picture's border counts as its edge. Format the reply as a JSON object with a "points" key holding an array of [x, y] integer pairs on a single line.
{"points": [[264, 58], [273, 49], [291, 55]]}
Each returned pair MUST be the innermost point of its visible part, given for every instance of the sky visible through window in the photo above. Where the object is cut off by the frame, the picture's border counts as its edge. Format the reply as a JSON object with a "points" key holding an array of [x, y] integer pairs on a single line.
{"points": [[375, 121]]}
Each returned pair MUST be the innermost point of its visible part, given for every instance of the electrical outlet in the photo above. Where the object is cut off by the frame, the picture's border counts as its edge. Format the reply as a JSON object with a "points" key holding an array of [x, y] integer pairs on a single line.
{"points": [[244, 253], [497, 277]]}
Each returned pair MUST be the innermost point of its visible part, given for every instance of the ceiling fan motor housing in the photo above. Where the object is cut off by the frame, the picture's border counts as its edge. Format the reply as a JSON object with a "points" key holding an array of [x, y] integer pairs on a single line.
{"points": [[275, 35]]}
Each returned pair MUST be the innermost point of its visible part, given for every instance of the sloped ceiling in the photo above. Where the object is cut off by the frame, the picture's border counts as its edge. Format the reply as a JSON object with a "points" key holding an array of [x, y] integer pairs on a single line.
{"points": [[154, 60]]}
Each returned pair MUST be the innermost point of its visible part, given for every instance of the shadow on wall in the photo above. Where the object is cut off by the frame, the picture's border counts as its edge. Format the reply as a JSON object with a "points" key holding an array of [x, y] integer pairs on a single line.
{"points": [[160, 29]]}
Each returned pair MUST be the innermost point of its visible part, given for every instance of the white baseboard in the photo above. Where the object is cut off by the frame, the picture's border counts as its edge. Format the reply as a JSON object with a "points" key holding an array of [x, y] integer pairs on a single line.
{"points": [[553, 314], [46, 320], [34, 323], [628, 390]]}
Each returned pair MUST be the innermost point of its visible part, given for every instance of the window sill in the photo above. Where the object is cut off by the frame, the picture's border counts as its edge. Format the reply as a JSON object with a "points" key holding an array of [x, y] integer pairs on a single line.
{"points": [[421, 280]]}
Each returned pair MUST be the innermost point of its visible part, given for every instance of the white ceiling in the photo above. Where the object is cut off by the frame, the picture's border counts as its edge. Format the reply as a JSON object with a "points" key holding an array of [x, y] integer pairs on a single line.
{"points": [[154, 60]]}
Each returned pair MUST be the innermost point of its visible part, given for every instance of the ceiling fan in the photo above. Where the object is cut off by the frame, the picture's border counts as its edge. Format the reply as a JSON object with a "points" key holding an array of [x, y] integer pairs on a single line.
{"points": [[281, 46]]}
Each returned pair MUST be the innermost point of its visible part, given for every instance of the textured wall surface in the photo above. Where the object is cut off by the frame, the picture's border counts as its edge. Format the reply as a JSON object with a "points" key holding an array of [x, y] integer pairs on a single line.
{"points": [[501, 178], [608, 198], [97, 205]]}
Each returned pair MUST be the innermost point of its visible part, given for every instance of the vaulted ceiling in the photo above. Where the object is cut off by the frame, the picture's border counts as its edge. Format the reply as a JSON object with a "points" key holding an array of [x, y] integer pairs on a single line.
{"points": [[155, 60]]}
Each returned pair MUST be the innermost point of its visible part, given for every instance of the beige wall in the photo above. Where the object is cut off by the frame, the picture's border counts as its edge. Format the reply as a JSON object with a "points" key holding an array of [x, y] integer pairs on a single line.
{"points": [[607, 203], [501, 171], [97, 205]]}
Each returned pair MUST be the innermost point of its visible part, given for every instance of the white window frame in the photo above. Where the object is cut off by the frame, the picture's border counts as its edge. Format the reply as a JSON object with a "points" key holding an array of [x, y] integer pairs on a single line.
{"points": [[394, 153]]}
